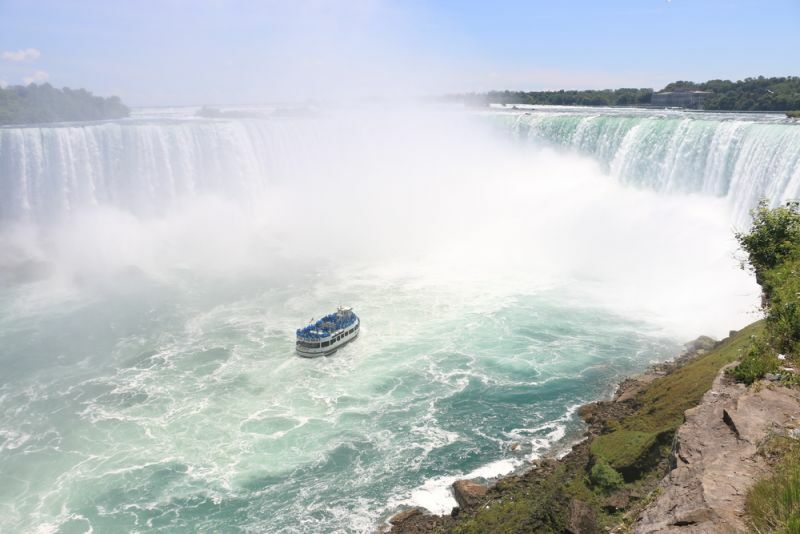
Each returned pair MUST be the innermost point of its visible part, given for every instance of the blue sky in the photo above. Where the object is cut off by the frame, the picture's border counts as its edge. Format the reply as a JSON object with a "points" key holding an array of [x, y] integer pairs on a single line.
{"points": [[228, 51]]}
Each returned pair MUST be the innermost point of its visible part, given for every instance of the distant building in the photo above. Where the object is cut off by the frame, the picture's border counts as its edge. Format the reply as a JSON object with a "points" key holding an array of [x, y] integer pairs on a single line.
{"points": [[680, 99]]}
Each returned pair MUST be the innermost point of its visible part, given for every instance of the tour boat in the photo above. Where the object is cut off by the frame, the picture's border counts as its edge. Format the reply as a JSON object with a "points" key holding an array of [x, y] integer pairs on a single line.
{"points": [[328, 334]]}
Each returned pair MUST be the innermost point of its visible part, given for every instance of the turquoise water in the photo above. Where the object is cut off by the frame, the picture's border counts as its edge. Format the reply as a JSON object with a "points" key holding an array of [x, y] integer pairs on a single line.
{"points": [[153, 273], [185, 409]]}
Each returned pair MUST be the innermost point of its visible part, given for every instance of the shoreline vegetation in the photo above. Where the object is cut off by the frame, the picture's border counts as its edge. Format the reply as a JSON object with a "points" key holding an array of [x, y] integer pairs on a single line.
{"points": [[719, 420], [781, 94], [41, 104], [608, 476]]}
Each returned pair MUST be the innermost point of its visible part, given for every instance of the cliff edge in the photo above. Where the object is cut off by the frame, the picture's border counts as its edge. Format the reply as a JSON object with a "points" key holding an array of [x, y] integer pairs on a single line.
{"points": [[715, 457]]}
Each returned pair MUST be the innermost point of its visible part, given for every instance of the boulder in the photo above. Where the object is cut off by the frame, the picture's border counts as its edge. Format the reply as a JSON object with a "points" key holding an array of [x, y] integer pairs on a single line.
{"points": [[582, 518], [616, 502], [401, 517], [469, 494], [704, 343]]}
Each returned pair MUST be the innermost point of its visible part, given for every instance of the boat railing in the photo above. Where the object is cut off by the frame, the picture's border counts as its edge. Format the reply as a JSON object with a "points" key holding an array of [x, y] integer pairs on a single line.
{"points": [[326, 326]]}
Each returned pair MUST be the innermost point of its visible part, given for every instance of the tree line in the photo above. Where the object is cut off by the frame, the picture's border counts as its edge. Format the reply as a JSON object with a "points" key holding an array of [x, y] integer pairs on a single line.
{"points": [[750, 94], [32, 104]]}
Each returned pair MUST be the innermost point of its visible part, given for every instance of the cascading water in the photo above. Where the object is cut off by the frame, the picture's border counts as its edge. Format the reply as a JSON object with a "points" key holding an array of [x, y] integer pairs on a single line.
{"points": [[146, 167], [741, 157], [154, 272]]}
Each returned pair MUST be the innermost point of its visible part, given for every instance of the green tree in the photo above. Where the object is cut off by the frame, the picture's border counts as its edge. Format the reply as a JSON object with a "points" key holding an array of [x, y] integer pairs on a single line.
{"points": [[772, 238], [44, 103]]}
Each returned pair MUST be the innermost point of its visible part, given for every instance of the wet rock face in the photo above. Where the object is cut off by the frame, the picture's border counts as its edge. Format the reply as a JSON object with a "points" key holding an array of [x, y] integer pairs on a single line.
{"points": [[468, 494]]}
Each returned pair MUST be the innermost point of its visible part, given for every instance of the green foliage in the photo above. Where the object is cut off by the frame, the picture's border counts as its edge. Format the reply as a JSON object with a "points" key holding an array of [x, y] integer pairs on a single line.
{"points": [[783, 307], [623, 448], [542, 507], [793, 114], [773, 249], [758, 361], [773, 503], [750, 94], [605, 477], [32, 104], [772, 238], [603, 97]]}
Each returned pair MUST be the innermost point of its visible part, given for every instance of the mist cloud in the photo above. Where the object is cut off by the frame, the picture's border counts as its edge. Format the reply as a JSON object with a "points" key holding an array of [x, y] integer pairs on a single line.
{"points": [[24, 54], [39, 76]]}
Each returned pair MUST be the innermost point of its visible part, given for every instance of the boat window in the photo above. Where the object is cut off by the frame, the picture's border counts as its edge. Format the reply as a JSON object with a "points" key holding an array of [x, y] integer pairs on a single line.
{"points": [[307, 345], [326, 343]]}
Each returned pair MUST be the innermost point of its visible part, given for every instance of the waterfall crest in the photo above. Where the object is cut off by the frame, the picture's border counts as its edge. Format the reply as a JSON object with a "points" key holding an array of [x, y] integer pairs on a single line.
{"points": [[741, 158], [145, 167]]}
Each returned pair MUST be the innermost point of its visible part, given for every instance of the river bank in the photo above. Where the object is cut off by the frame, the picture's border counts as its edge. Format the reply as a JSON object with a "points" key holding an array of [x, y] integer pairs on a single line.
{"points": [[612, 474]]}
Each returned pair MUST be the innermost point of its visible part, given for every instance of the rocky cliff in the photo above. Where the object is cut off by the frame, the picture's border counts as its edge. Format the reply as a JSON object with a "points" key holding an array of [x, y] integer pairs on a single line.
{"points": [[715, 457]]}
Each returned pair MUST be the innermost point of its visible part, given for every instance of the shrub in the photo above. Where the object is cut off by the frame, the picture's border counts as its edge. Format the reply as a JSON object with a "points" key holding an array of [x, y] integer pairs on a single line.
{"points": [[773, 237], [758, 361], [605, 477], [783, 313]]}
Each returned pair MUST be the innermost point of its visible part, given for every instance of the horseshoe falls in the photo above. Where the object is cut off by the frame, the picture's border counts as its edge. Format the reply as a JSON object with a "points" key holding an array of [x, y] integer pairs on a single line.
{"points": [[507, 268], [742, 157]]}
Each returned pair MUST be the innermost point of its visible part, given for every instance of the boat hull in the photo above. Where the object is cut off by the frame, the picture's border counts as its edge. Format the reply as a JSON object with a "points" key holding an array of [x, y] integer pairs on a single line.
{"points": [[327, 351]]}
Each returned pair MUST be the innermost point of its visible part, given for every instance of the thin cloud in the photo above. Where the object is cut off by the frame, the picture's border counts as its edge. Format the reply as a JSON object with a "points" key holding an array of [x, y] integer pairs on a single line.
{"points": [[24, 54], [3, 84], [39, 76]]}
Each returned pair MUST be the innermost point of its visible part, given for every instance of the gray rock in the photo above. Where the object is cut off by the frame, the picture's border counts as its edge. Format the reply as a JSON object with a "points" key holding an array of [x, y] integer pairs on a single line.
{"points": [[582, 518], [703, 343], [716, 460], [469, 494], [405, 515]]}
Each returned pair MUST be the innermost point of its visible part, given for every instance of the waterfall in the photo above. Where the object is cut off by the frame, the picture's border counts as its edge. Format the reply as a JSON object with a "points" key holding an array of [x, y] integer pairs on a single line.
{"points": [[743, 158], [146, 166]]}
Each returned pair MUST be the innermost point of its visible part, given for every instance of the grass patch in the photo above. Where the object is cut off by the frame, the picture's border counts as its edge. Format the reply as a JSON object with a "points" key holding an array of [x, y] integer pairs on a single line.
{"points": [[793, 114], [773, 503], [662, 403], [622, 448]]}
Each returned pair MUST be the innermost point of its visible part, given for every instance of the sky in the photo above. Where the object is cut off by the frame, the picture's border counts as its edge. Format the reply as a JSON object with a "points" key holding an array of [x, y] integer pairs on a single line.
{"points": [[192, 52]]}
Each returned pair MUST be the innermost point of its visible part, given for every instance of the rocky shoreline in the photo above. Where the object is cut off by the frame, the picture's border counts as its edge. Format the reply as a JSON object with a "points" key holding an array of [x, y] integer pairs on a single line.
{"points": [[554, 498]]}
